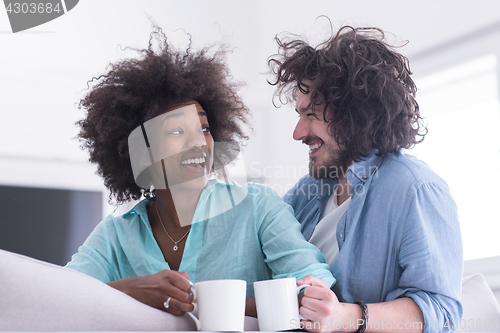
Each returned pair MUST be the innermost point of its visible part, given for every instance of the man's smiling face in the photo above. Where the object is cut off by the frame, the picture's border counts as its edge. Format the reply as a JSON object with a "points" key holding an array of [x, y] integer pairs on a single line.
{"points": [[312, 129]]}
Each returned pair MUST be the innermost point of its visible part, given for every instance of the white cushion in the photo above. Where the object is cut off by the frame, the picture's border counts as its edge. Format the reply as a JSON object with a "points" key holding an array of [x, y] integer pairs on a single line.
{"points": [[481, 309], [38, 296]]}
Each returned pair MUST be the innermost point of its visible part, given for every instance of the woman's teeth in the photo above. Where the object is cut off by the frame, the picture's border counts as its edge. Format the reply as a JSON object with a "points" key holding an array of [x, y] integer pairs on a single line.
{"points": [[315, 146], [194, 160]]}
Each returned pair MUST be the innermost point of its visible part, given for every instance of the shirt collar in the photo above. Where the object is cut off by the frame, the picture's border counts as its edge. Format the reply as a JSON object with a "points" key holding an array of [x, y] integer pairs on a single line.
{"points": [[361, 171], [140, 207]]}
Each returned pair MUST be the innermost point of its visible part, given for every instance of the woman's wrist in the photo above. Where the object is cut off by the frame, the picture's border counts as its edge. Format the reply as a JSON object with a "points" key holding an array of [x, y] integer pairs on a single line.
{"points": [[123, 285]]}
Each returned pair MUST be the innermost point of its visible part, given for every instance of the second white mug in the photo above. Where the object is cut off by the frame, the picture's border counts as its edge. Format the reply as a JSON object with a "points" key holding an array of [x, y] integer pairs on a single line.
{"points": [[277, 304]]}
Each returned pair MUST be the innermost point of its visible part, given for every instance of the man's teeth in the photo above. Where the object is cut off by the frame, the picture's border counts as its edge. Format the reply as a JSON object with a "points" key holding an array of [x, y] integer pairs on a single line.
{"points": [[194, 160], [315, 146]]}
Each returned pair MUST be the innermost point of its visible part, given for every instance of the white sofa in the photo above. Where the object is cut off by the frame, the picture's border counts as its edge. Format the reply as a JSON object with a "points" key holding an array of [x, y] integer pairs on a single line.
{"points": [[38, 296], [481, 309]]}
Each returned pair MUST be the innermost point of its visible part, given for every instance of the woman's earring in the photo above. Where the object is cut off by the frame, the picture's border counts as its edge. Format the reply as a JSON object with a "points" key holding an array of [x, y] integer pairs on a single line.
{"points": [[149, 193]]}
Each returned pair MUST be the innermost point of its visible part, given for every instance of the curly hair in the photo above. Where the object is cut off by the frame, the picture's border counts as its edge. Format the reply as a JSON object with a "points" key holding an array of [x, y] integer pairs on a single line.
{"points": [[133, 91], [364, 84]]}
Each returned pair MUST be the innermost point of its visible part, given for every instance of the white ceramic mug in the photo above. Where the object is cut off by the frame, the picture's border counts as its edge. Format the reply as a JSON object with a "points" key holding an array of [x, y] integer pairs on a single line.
{"points": [[277, 304], [220, 304]]}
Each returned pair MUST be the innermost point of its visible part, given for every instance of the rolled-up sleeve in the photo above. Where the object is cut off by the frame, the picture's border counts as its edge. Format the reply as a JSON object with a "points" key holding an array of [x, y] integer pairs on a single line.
{"points": [[287, 253], [431, 258]]}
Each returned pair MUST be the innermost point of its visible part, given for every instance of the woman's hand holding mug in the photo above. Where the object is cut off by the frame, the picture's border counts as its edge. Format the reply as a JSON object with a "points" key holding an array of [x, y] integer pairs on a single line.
{"points": [[166, 290]]}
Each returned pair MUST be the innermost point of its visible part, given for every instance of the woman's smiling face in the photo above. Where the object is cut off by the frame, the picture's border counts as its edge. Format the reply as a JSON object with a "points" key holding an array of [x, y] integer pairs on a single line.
{"points": [[181, 144]]}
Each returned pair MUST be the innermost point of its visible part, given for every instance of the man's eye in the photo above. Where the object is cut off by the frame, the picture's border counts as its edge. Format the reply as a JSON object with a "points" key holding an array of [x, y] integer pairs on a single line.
{"points": [[176, 131], [206, 129]]}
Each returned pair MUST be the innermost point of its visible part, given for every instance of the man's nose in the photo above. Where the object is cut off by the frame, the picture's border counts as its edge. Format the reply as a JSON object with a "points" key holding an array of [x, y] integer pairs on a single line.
{"points": [[301, 129]]}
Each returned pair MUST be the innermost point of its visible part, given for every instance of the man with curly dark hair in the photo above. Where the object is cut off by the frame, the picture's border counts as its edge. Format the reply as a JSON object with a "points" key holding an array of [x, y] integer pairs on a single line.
{"points": [[159, 125], [385, 221]]}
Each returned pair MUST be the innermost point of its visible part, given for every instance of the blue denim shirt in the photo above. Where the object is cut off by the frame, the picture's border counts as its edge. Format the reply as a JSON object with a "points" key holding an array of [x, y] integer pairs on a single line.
{"points": [[400, 236]]}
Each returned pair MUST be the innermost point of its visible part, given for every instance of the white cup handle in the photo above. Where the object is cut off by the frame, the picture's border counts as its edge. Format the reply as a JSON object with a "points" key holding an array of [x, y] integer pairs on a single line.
{"points": [[196, 320], [299, 288]]}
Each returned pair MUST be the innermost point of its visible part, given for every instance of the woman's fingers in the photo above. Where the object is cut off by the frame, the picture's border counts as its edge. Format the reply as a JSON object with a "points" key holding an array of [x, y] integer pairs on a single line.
{"points": [[177, 286], [184, 274], [179, 280], [154, 290], [178, 308], [176, 304]]}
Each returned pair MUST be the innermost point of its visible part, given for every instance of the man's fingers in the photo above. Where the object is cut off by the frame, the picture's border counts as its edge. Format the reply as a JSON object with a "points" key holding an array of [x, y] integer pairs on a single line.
{"points": [[320, 293], [318, 303], [307, 313], [312, 281], [319, 307]]}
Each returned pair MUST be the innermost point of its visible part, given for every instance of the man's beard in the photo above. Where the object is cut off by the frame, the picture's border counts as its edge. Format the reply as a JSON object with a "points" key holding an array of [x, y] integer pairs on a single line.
{"points": [[335, 166]]}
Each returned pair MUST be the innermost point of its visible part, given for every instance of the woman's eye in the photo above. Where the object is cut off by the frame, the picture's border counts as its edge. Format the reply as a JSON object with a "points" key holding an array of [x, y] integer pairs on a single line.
{"points": [[206, 129], [176, 131]]}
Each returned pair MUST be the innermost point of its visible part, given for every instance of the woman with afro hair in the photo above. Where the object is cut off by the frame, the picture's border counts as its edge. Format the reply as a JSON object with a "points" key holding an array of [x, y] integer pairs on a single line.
{"points": [[160, 127]]}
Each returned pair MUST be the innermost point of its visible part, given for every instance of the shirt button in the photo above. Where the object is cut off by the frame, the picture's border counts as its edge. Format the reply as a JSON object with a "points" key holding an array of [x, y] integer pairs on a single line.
{"points": [[364, 177], [341, 235]]}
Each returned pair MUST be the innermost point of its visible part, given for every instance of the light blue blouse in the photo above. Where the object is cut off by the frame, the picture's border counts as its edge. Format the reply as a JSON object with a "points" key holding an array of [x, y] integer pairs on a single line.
{"points": [[258, 238]]}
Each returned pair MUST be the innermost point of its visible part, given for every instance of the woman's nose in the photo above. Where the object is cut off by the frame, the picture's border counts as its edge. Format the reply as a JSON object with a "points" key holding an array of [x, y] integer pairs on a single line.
{"points": [[196, 140]]}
